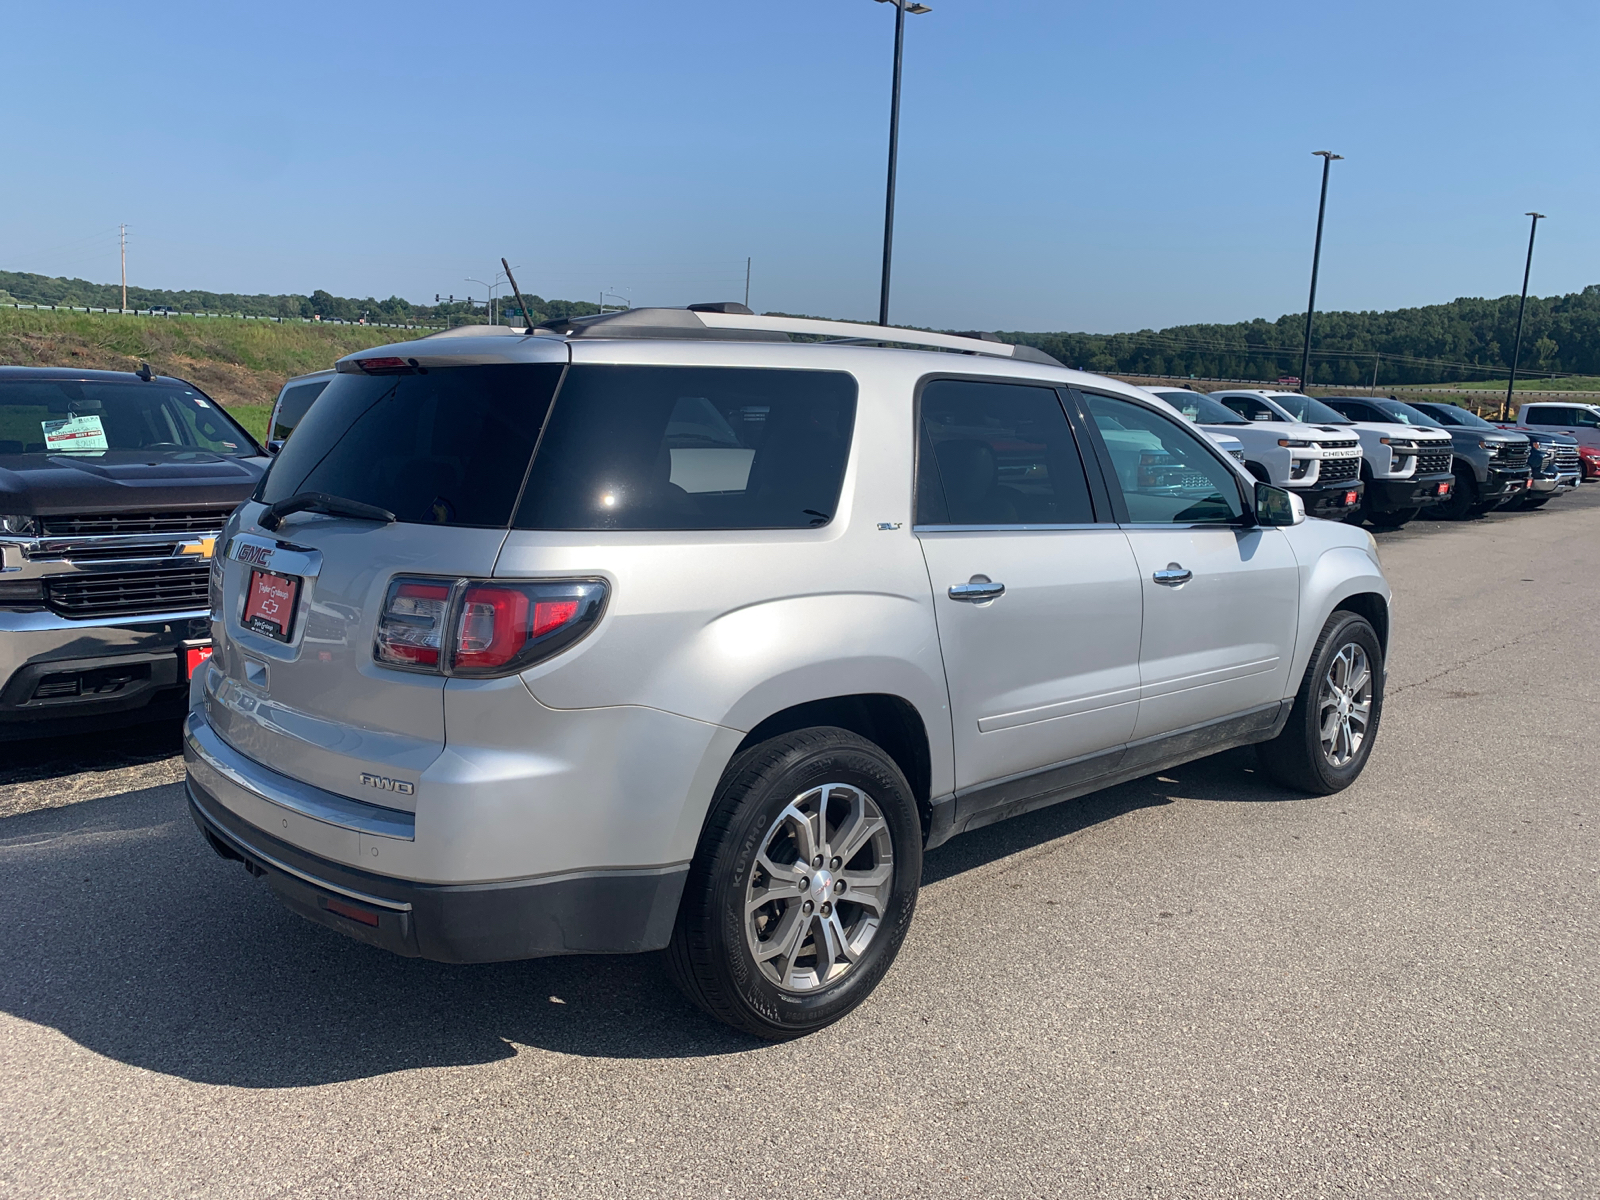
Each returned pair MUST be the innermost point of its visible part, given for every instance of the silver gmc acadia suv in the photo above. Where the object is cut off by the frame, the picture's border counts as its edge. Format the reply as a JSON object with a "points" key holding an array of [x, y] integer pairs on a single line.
{"points": [[694, 629]]}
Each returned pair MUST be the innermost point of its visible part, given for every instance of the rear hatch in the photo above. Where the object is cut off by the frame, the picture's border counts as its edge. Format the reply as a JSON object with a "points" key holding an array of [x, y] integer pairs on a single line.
{"points": [[294, 683]]}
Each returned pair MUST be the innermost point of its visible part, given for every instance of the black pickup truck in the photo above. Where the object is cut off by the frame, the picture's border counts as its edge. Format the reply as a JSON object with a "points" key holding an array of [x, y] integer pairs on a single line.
{"points": [[113, 490]]}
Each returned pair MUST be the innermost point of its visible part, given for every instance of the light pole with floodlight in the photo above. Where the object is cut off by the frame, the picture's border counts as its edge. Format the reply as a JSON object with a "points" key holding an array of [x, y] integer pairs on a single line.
{"points": [[1505, 409], [1328, 157], [901, 8]]}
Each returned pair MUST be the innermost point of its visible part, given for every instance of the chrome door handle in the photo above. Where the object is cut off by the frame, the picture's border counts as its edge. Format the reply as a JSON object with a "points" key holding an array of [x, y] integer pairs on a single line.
{"points": [[1174, 575], [977, 590]]}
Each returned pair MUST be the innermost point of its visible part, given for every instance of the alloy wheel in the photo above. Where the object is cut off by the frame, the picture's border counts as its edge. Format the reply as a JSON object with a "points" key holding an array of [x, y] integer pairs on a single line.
{"points": [[1344, 706], [819, 887]]}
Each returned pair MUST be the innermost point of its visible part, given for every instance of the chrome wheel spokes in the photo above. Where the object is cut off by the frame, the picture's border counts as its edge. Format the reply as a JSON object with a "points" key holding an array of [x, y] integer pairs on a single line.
{"points": [[1344, 705], [819, 887]]}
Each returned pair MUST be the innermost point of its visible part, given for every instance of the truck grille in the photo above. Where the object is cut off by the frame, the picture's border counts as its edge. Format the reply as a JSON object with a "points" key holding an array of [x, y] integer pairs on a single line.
{"points": [[1431, 461], [191, 520], [1512, 456], [1337, 470], [129, 593], [1565, 459]]}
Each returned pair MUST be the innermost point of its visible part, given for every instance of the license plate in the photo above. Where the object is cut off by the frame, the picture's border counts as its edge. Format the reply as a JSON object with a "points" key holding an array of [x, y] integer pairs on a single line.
{"points": [[193, 657], [1444, 489], [1350, 497], [269, 610]]}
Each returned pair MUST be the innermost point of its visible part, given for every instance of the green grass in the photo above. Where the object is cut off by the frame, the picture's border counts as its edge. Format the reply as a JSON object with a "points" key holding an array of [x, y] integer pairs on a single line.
{"points": [[236, 361], [1570, 383], [253, 417]]}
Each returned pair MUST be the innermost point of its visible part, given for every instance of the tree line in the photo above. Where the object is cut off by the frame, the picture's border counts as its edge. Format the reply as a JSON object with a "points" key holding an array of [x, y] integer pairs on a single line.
{"points": [[26, 288], [1464, 340]]}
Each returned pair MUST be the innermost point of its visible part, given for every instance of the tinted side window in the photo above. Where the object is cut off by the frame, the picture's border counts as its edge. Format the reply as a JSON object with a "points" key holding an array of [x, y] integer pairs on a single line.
{"points": [[1250, 408], [447, 448], [1167, 474], [1586, 418], [292, 407], [692, 448], [997, 454]]}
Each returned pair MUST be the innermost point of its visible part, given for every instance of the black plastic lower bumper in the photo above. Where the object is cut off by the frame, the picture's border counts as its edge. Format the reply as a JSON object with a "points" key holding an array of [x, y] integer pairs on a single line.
{"points": [[1390, 495], [1332, 500], [1502, 484], [67, 695], [598, 912]]}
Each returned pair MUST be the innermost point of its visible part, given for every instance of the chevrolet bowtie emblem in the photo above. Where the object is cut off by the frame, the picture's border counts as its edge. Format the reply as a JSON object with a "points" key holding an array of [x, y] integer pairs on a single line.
{"points": [[202, 548]]}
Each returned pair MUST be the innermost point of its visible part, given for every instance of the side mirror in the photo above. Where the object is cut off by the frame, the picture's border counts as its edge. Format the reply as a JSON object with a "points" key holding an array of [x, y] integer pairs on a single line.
{"points": [[273, 446], [1278, 506]]}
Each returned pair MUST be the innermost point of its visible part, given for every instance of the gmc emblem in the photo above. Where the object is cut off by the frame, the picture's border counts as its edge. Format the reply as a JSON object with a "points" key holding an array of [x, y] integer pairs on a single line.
{"points": [[383, 783], [258, 556]]}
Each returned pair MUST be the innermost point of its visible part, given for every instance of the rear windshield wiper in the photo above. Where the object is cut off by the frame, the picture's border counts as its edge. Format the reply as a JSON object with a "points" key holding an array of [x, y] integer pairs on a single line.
{"points": [[321, 502]]}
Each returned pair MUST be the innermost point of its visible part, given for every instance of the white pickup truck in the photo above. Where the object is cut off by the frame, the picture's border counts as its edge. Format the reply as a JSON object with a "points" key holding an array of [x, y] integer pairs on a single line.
{"points": [[1578, 421], [1321, 466]]}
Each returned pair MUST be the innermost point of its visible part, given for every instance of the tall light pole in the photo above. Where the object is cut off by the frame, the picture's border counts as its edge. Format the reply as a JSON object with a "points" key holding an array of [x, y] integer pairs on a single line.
{"points": [[1328, 157], [1505, 409], [901, 8]]}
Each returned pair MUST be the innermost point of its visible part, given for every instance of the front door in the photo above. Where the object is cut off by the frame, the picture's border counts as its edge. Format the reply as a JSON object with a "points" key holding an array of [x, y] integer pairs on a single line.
{"points": [[1037, 604], [1221, 599]]}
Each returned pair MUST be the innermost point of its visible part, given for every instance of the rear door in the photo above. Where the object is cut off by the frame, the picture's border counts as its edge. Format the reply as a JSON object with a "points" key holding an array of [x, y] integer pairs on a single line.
{"points": [[1037, 604], [1220, 600], [296, 686]]}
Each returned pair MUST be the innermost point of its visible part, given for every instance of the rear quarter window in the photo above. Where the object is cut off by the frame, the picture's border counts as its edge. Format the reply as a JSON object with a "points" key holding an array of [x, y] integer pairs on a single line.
{"points": [[677, 448]]}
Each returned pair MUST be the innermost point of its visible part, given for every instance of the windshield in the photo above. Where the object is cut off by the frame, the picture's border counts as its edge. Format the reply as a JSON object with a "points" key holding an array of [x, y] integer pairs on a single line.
{"points": [[1202, 410], [1404, 414], [1451, 414], [71, 416], [1309, 411]]}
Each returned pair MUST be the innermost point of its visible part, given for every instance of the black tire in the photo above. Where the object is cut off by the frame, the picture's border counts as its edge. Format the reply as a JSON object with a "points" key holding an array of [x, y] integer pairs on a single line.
{"points": [[1297, 757], [710, 956], [1463, 500], [1395, 518]]}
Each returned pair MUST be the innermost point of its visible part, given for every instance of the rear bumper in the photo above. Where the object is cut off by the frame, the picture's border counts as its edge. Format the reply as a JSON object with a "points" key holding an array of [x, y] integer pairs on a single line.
{"points": [[612, 911], [1332, 500], [1387, 495], [59, 675]]}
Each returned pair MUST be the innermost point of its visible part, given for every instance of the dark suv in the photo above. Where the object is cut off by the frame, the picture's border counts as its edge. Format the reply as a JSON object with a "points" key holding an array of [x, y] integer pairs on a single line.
{"points": [[113, 489]]}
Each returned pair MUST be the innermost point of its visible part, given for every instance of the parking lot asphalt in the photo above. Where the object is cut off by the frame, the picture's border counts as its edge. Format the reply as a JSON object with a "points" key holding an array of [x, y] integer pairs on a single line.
{"points": [[1193, 985]]}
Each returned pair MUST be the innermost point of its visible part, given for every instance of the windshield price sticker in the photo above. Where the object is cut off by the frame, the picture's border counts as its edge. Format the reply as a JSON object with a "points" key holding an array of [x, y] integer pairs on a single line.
{"points": [[75, 433], [270, 607]]}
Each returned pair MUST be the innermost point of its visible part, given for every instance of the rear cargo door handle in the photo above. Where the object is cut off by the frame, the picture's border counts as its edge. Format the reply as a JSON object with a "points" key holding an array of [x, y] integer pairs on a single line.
{"points": [[977, 590], [1174, 575]]}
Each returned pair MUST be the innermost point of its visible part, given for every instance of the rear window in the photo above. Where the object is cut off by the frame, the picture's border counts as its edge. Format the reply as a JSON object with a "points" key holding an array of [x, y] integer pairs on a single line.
{"points": [[637, 447], [449, 447], [292, 407]]}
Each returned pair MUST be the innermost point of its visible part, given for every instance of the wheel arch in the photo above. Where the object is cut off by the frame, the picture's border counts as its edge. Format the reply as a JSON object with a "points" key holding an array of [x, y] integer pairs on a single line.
{"points": [[890, 722], [1375, 609]]}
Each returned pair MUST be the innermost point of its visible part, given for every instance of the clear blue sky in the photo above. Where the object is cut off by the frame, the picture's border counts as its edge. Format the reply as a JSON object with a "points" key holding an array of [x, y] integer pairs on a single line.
{"points": [[1063, 166]]}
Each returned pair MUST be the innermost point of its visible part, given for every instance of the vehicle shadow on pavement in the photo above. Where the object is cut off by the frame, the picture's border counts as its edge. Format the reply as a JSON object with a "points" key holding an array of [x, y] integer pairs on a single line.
{"points": [[1231, 776], [121, 929]]}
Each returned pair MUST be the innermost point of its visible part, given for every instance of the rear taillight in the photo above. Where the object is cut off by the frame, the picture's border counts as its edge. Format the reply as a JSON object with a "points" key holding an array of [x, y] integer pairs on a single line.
{"points": [[479, 628], [411, 626]]}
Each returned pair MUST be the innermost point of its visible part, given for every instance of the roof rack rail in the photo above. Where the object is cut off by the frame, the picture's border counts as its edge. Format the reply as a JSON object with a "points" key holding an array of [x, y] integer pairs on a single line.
{"points": [[716, 322]]}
